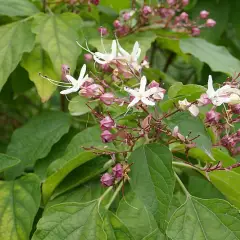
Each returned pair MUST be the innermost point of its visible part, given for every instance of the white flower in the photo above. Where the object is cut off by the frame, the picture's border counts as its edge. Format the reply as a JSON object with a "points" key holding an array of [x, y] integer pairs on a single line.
{"points": [[130, 58], [76, 84], [104, 58], [222, 95], [140, 94], [192, 108]]}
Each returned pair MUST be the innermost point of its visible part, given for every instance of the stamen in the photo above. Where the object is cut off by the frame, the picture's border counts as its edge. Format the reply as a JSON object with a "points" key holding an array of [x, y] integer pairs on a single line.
{"points": [[86, 49], [55, 82]]}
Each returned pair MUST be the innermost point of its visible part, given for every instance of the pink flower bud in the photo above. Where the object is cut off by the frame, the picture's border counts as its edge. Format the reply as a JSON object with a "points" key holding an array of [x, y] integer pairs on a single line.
{"points": [[171, 12], [95, 2], [163, 12], [106, 67], [65, 70], [210, 23], [116, 24], [126, 16], [238, 133], [146, 10], [195, 31], [185, 2], [107, 180], [177, 19], [204, 100], [204, 14], [106, 123], [88, 82], [235, 108], [118, 171], [93, 90], [228, 142], [212, 117], [171, 2], [103, 31], [106, 136], [88, 57], [153, 84], [123, 30], [107, 98], [184, 16]]}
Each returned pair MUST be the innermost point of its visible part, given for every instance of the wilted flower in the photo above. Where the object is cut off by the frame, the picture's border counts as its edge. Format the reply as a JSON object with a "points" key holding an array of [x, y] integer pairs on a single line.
{"points": [[192, 108], [177, 134], [107, 123], [140, 94], [203, 100], [107, 98], [107, 180], [106, 136], [212, 117], [118, 171], [91, 91], [235, 108]]}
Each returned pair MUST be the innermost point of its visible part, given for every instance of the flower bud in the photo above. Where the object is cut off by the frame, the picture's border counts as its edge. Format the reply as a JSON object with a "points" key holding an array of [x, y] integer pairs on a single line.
{"points": [[195, 31], [88, 82], [184, 16], [235, 108], [106, 68], [118, 171], [103, 31], [212, 117], [228, 142], [171, 2], [95, 2], [146, 10], [106, 123], [238, 133], [106, 136], [204, 14], [171, 12], [107, 180], [185, 2], [153, 84], [65, 70], [116, 24], [93, 90], [210, 23], [107, 98], [126, 16], [88, 57], [163, 12], [203, 100], [177, 134]]}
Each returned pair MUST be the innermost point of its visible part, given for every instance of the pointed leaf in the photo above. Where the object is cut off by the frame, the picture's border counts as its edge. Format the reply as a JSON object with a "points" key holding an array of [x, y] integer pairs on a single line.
{"points": [[153, 180], [58, 35], [16, 38], [204, 219], [7, 161], [39, 62], [19, 203], [75, 221], [35, 139]]}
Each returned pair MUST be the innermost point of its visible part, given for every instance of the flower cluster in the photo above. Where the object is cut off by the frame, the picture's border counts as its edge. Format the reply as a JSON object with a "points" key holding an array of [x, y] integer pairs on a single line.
{"points": [[109, 179], [164, 15]]}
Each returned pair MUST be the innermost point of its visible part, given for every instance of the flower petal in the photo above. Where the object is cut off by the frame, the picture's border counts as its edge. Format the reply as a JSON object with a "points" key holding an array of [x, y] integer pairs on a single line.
{"points": [[82, 72], [114, 49], [131, 91], [69, 90], [193, 109], [210, 92], [134, 102], [147, 101], [143, 84], [71, 79], [150, 91]]}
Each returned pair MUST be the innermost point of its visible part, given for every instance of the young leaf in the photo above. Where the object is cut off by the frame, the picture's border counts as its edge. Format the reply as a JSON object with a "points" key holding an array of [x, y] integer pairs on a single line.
{"points": [[71, 221], [35, 139], [19, 203], [16, 38], [58, 35], [39, 62], [17, 8], [204, 219], [208, 53], [152, 179], [7, 162]]}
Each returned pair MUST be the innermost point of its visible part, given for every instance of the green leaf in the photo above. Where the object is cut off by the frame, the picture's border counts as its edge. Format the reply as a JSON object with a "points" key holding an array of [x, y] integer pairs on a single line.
{"points": [[152, 179], [204, 219], [90, 191], [189, 124], [116, 5], [16, 38], [227, 182], [35, 139], [217, 57], [136, 217], [13, 8], [39, 62], [7, 162], [53, 180], [19, 203], [78, 107], [84, 173], [115, 229], [145, 40], [73, 221], [58, 35]]}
